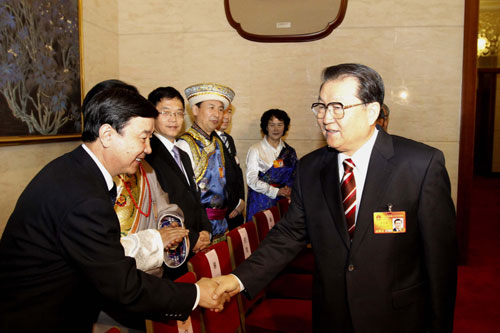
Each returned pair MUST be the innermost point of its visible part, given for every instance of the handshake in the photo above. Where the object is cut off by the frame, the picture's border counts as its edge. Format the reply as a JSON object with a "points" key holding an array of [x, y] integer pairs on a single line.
{"points": [[216, 291]]}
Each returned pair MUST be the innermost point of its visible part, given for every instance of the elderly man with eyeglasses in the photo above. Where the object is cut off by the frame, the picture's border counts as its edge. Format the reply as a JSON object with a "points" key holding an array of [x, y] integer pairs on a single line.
{"points": [[345, 196]]}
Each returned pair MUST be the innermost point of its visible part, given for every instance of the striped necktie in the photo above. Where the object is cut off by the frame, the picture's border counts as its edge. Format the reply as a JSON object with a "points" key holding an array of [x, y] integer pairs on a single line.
{"points": [[223, 136], [348, 188]]}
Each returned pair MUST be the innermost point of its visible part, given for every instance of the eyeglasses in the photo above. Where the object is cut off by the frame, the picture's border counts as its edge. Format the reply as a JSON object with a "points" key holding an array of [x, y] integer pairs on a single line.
{"points": [[336, 109], [168, 114]]}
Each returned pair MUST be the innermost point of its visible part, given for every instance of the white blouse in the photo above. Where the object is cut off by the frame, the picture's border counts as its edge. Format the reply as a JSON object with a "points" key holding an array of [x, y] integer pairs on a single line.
{"points": [[260, 157]]}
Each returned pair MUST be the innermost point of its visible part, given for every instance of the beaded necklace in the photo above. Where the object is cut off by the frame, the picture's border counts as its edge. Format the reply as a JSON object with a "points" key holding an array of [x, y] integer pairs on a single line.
{"points": [[127, 187]]}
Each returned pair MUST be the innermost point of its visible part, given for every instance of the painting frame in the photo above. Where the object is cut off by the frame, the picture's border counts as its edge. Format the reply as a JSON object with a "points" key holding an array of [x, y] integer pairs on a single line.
{"points": [[69, 105]]}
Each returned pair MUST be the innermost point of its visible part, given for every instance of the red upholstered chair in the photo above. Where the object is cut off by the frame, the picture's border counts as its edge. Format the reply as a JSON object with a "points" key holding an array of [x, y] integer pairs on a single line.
{"points": [[243, 241], [271, 314], [265, 220], [216, 261], [192, 324]]}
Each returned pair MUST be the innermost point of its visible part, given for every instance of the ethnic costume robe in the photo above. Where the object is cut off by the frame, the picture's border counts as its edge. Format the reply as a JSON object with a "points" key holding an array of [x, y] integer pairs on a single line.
{"points": [[139, 205], [210, 173], [280, 173]]}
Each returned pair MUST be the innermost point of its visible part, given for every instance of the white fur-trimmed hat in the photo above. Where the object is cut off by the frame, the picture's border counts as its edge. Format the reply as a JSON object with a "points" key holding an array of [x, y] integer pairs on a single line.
{"points": [[209, 91]]}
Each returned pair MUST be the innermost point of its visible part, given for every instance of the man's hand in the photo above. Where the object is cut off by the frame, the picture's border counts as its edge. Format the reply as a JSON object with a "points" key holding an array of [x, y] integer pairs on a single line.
{"points": [[226, 284], [172, 236], [207, 299], [203, 241], [285, 191], [238, 210]]}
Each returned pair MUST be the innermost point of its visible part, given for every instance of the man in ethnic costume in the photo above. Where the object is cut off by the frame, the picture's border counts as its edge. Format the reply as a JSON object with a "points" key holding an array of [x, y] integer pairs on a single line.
{"points": [[149, 223], [206, 150]]}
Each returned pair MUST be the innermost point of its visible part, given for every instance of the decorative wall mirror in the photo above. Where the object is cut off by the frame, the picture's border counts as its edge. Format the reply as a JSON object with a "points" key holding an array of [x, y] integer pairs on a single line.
{"points": [[284, 20]]}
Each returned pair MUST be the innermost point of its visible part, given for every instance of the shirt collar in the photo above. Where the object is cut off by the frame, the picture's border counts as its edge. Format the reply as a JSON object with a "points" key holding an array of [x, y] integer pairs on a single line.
{"points": [[166, 142], [105, 173], [202, 132], [361, 157], [268, 145]]}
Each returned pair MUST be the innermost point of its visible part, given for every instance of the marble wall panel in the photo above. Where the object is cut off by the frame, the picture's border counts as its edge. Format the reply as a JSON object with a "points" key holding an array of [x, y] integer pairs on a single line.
{"points": [[373, 47], [100, 55], [220, 57], [153, 16], [152, 60], [150, 16], [205, 16], [284, 76], [103, 14], [100, 41], [450, 151], [20, 165], [403, 13], [428, 68]]}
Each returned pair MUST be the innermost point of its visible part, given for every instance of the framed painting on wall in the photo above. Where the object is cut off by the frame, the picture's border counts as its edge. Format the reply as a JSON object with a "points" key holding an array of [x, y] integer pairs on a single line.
{"points": [[40, 71]]}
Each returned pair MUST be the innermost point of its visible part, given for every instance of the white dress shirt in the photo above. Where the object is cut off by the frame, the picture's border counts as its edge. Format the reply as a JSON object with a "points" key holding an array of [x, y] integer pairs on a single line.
{"points": [[361, 159], [170, 146]]}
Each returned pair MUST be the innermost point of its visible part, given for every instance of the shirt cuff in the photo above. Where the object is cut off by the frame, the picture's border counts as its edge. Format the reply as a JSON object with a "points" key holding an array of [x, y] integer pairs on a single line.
{"points": [[272, 192], [197, 296], [242, 287], [239, 204]]}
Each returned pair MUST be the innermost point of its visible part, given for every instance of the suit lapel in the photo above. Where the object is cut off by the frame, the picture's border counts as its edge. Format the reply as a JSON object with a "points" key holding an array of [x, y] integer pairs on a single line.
{"points": [[379, 172], [88, 164], [231, 145], [189, 170], [169, 159], [330, 184]]}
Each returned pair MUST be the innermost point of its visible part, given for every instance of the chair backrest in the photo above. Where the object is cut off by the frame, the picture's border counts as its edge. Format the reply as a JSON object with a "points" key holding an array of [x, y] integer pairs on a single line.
{"points": [[242, 241], [215, 261], [192, 324], [265, 220], [283, 205]]}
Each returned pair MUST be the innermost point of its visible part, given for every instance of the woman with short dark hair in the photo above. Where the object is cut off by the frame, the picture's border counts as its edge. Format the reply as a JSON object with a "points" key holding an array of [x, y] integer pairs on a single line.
{"points": [[270, 164]]}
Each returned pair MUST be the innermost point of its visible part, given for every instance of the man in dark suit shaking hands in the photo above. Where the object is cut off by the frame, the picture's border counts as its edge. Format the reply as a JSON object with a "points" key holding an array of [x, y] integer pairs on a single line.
{"points": [[60, 253], [345, 196]]}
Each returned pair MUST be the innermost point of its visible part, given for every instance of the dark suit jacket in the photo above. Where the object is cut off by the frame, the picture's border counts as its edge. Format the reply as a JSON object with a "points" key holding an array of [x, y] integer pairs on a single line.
{"points": [[397, 282], [235, 186], [173, 181], [61, 257]]}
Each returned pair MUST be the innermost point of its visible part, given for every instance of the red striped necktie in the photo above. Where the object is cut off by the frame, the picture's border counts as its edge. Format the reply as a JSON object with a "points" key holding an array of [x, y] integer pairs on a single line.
{"points": [[348, 188]]}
